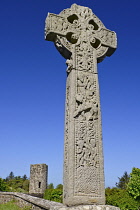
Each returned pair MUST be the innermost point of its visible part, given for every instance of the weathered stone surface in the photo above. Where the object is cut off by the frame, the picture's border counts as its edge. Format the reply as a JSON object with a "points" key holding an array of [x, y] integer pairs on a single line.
{"points": [[91, 207], [27, 200], [39, 204], [38, 179], [83, 40]]}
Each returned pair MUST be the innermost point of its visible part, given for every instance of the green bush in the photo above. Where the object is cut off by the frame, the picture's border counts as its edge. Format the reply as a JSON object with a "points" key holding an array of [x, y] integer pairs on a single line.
{"points": [[121, 198], [59, 186], [3, 186], [53, 195]]}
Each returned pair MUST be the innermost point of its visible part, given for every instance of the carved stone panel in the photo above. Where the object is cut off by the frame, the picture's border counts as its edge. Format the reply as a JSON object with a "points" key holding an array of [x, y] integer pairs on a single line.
{"points": [[87, 167]]}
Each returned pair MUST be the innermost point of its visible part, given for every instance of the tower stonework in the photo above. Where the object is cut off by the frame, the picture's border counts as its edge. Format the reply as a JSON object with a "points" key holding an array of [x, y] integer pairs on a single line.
{"points": [[84, 41], [38, 179]]}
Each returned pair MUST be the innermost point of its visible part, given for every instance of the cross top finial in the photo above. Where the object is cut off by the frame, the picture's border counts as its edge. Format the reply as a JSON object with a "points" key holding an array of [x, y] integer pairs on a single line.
{"points": [[79, 24]]}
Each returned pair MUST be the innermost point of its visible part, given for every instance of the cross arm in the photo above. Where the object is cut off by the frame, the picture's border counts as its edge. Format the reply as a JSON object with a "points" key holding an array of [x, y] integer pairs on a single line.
{"points": [[108, 39], [57, 25]]}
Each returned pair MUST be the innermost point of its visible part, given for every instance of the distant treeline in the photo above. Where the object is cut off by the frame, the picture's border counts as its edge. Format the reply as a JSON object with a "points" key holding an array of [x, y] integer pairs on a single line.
{"points": [[15, 183]]}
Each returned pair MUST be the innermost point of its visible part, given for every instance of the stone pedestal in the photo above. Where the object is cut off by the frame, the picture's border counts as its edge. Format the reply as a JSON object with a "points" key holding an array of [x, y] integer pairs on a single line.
{"points": [[90, 207]]}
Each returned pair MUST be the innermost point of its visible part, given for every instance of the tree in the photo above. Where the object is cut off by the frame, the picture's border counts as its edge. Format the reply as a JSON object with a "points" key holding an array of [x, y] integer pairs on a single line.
{"points": [[123, 181], [59, 186], [24, 177], [50, 186], [10, 177], [134, 183]]}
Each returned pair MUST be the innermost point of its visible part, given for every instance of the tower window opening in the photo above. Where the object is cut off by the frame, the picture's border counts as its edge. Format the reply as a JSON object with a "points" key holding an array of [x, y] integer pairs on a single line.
{"points": [[39, 184]]}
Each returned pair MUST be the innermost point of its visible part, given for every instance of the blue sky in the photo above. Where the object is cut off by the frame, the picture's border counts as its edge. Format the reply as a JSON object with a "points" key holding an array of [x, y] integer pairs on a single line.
{"points": [[32, 88]]}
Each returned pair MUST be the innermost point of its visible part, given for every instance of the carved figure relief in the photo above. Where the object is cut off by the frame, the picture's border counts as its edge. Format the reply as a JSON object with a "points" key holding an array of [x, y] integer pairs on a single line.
{"points": [[69, 63], [86, 102]]}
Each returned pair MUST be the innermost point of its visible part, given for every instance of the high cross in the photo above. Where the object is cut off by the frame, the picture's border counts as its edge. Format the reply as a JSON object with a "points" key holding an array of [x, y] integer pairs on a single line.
{"points": [[83, 40]]}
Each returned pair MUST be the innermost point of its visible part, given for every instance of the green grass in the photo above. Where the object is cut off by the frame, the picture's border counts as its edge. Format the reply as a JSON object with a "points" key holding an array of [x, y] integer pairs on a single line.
{"points": [[12, 206]]}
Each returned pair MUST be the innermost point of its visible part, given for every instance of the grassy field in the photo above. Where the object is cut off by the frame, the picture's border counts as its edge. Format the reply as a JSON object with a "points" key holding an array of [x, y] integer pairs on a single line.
{"points": [[12, 206]]}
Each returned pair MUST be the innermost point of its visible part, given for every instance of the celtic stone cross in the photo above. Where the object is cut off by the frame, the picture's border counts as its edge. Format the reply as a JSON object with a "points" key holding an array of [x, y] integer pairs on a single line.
{"points": [[84, 41]]}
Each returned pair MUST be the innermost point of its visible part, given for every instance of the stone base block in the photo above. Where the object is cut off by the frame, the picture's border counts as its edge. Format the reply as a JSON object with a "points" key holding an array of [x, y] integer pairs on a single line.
{"points": [[39, 195], [90, 207]]}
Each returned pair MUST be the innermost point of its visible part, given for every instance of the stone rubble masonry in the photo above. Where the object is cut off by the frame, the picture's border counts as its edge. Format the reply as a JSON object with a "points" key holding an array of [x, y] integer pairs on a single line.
{"points": [[23, 200], [38, 179], [28, 200], [82, 39]]}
